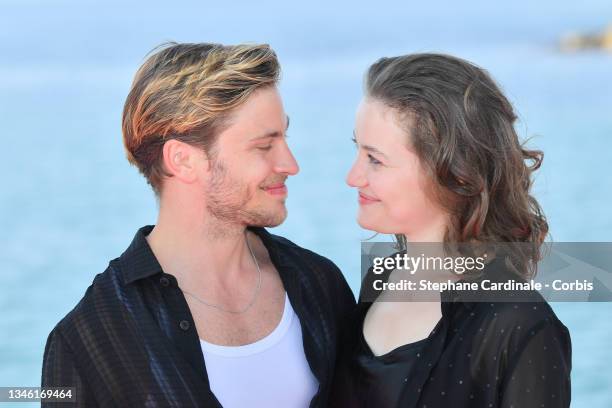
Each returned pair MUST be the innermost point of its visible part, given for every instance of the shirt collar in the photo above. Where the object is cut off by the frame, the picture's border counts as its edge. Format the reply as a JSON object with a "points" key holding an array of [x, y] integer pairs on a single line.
{"points": [[495, 270], [138, 261]]}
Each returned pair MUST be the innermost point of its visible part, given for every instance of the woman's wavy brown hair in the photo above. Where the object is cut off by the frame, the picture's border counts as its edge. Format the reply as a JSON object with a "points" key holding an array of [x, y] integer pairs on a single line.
{"points": [[462, 128], [187, 92]]}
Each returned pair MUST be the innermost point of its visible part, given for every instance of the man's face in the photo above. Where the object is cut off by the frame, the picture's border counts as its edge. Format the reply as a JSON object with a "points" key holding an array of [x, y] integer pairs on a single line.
{"points": [[252, 160]]}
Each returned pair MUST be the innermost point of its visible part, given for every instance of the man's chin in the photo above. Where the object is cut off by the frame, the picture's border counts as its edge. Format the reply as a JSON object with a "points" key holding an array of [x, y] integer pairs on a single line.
{"points": [[269, 220]]}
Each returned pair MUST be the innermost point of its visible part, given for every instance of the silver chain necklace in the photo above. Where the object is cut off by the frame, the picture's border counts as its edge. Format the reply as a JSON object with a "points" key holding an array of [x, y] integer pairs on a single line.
{"points": [[255, 295]]}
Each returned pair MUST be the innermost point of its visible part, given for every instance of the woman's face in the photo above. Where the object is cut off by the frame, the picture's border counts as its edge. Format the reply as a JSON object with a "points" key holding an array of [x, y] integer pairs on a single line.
{"points": [[392, 184]]}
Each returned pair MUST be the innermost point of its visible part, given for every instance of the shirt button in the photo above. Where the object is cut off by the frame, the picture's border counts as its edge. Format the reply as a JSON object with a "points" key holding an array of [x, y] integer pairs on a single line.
{"points": [[184, 325], [164, 281]]}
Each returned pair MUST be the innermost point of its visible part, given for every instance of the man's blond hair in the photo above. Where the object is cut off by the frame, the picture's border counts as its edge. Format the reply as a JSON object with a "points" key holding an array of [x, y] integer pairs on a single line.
{"points": [[186, 92]]}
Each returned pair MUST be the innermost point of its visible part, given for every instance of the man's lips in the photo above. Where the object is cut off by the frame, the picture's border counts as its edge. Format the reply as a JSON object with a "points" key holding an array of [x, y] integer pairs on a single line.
{"points": [[276, 189], [366, 199]]}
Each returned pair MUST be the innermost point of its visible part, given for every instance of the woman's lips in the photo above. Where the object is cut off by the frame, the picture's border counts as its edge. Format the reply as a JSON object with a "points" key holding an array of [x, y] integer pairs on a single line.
{"points": [[277, 189], [366, 199]]}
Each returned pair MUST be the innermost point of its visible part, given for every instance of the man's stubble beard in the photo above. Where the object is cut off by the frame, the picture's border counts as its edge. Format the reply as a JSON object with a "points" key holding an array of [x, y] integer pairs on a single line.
{"points": [[227, 200]]}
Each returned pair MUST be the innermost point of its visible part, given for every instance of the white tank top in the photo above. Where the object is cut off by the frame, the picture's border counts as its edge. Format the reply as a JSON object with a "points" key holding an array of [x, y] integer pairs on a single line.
{"points": [[272, 372]]}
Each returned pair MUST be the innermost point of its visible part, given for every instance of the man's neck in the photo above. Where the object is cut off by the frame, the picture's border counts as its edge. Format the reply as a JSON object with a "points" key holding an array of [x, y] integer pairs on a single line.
{"points": [[200, 253]]}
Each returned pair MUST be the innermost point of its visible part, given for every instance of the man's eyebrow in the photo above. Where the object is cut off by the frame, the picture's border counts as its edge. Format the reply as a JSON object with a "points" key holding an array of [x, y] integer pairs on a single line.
{"points": [[273, 133], [368, 148]]}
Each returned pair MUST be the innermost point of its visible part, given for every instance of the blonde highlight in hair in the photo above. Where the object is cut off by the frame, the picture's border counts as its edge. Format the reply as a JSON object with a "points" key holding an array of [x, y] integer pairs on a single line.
{"points": [[187, 92]]}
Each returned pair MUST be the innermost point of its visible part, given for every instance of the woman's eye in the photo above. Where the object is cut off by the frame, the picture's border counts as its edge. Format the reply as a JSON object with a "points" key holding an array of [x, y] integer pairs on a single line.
{"points": [[373, 160], [264, 148]]}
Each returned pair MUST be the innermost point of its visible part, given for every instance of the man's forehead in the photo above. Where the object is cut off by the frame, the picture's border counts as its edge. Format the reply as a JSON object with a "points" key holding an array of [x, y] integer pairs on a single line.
{"points": [[253, 128], [271, 131]]}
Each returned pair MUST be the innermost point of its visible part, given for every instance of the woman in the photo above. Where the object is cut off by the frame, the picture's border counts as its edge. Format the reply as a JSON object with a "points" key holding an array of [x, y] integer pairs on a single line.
{"points": [[439, 161]]}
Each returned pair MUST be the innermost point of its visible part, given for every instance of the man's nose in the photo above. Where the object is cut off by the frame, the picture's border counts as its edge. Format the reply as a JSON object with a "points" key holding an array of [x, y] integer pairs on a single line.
{"points": [[286, 163]]}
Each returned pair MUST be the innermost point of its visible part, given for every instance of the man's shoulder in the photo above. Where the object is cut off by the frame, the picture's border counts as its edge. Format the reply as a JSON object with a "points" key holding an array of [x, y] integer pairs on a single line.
{"points": [[311, 265], [317, 275], [297, 253], [101, 300], [288, 245]]}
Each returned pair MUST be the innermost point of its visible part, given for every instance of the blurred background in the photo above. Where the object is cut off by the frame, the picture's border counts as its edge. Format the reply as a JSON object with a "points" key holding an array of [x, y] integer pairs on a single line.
{"points": [[70, 202]]}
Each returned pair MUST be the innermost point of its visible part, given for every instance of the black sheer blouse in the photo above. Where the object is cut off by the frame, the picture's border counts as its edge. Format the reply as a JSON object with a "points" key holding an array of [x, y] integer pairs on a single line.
{"points": [[502, 354], [379, 380]]}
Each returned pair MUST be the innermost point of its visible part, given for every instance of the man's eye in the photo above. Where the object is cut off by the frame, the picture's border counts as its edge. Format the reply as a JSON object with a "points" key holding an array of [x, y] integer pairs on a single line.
{"points": [[264, 148], [373, 160]]}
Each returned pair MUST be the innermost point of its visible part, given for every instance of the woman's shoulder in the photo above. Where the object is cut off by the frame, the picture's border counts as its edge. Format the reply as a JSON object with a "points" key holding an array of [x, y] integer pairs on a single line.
{"points": [[519, 322]]}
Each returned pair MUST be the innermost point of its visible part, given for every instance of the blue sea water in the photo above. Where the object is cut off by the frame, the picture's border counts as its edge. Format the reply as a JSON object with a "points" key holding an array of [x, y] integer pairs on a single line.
{"points": [[70, 202]]}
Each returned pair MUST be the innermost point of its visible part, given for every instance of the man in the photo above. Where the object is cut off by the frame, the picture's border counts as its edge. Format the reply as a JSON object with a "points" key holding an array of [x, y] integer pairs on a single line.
{"points": [[206, 308]]}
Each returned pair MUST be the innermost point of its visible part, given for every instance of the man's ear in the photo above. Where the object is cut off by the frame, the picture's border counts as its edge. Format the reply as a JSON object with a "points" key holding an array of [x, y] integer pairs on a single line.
{"points": [[182, 160]]}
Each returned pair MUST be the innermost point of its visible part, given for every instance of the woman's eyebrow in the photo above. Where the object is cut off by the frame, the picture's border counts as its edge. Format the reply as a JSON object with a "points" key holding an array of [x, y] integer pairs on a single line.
{"points": [[368, 148]]}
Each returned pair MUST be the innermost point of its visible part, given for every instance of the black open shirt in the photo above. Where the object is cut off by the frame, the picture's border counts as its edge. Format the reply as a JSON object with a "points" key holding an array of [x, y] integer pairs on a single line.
{"points": [[131, 341], [500, 354]]}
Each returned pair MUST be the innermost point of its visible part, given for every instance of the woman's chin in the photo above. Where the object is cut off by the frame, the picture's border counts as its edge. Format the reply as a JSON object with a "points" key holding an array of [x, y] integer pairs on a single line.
{"points": [[373, 226], [363, 223]]}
